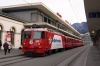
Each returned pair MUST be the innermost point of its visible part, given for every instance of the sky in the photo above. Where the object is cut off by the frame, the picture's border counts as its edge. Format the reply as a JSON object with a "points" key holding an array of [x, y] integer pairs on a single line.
{"points": [[71, 10]]}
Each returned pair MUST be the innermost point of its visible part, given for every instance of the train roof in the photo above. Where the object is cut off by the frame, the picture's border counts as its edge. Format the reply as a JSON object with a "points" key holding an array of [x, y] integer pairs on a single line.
{"points": [[36, 29], [43, 29]]}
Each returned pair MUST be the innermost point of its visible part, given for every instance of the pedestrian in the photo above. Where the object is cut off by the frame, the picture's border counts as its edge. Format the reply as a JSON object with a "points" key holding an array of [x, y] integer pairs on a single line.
{"points": [[0, 44], [5, 45], [9, 46]]}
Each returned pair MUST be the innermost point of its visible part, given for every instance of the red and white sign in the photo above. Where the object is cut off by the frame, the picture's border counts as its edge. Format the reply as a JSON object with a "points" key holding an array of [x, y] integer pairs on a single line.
{"points": [[66, 21], [8, 37], [59, 15]]}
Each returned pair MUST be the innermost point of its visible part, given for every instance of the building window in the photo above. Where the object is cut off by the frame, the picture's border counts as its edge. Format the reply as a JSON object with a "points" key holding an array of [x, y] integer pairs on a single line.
{"points": [[12, 29], [45, 19], [1, 29], [58, 25], [49, 21], [34, 17], [40, 18]]}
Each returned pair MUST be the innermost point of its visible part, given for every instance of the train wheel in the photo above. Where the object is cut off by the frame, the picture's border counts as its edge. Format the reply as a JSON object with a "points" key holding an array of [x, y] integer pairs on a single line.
{"points": [[44, 54], [27, 54], [50, 52], [62, 49]]}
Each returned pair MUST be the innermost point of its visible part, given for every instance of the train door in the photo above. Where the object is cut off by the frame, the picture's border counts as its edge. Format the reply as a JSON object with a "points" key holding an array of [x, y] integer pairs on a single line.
{"points": [[68, 43], [46, 40], [65, 42], [72, 42], [49, 39]]}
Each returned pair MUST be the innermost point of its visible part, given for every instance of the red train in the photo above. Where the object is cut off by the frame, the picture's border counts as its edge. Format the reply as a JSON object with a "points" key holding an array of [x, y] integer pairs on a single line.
{"points": [[42, 41]]}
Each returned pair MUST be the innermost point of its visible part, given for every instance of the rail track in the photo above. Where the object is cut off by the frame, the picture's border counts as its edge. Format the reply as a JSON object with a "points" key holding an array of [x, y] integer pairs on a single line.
{"points": [[12, 60], [72, 59], [69, 60]]}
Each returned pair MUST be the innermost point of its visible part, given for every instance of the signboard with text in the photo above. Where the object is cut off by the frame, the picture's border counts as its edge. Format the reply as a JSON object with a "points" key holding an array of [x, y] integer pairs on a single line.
{"points": [[59, 15], [94, 15]]}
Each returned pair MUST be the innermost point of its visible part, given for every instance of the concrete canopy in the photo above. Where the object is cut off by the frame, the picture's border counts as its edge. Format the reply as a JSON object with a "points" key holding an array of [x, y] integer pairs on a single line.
{"points": [[92, 9]]}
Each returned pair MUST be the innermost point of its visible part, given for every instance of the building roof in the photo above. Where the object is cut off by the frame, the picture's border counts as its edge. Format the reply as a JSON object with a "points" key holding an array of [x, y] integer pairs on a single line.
{"points": [[42, 7]]}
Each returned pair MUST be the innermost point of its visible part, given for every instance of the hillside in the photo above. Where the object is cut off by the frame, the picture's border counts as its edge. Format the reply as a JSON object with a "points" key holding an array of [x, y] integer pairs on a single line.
{"points": [[81, 27]]}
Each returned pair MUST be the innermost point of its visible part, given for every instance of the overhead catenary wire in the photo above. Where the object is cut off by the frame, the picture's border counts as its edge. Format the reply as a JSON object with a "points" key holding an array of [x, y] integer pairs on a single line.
{"points": [[25, 1], [19, 1], [76, 10], [73, 9]]}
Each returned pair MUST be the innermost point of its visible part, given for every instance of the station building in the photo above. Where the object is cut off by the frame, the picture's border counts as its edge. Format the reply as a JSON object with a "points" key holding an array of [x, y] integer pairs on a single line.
{"points": [[15, 18]]}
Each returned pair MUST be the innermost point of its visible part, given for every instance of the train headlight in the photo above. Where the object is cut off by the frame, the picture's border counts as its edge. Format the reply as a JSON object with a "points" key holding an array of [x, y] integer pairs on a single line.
{"points": [[39, 44], [23, 43], [31, 42]]}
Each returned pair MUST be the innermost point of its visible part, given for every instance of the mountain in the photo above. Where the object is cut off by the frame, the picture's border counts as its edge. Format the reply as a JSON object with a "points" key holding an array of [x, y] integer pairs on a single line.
{"points": [[81, 27]]}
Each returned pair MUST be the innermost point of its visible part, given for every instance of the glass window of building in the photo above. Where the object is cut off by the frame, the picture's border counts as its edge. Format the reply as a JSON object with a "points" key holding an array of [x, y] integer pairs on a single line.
{"points": [[45, 19], [34, 17], [49, 20], [40, 18], [12, 29]]}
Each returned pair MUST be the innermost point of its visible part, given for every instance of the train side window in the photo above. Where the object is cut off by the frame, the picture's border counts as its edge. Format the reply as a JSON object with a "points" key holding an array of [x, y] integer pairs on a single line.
{"points": [[65, 40], [43, 34], [68, 41]]}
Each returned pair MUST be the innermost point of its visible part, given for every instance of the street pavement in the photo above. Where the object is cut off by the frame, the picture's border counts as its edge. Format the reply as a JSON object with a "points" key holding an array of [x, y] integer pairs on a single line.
{"points": [[13, 52]]}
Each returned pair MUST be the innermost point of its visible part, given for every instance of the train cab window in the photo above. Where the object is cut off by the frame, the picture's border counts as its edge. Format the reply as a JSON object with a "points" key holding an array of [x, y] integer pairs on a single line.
{"points": [[38, 34], [26, 34]]}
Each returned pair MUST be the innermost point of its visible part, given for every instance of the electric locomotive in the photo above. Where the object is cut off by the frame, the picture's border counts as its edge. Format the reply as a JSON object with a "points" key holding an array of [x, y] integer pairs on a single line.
{"points": [[42, 41]]}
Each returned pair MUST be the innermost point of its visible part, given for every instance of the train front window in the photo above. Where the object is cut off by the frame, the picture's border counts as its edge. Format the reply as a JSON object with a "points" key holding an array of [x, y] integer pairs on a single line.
{"points": [[38, 35], [26, 34]]}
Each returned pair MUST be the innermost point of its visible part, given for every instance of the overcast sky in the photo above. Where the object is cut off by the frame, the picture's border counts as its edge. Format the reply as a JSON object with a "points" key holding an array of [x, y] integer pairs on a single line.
{"points": [[71, 10]]}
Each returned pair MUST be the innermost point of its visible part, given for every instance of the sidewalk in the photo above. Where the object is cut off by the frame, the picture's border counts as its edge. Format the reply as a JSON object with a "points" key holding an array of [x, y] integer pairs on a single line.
{"points": [[14, 52], [93, 58]]}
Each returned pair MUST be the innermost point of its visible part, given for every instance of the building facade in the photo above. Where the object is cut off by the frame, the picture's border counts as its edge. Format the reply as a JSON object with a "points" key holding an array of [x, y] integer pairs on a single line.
{"points": [[87, 39], [17, 17], [11, 25]]}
